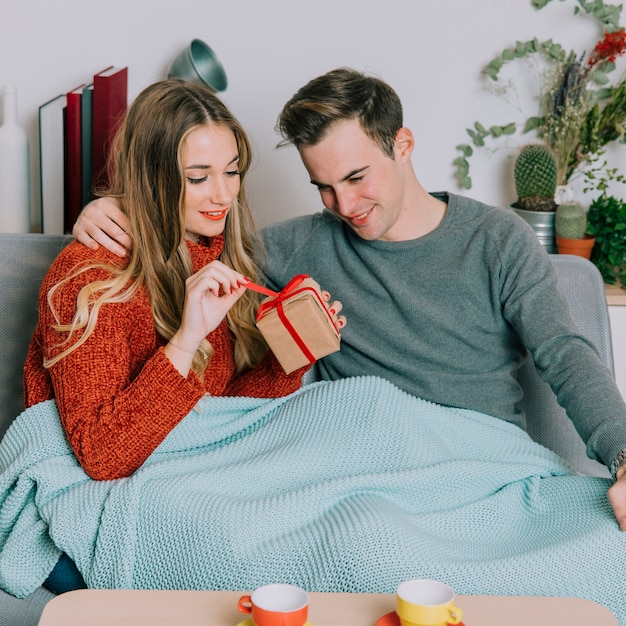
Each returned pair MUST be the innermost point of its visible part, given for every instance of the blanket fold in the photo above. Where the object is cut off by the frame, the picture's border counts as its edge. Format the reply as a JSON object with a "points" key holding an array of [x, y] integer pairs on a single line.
{"points": [[350, 485]]}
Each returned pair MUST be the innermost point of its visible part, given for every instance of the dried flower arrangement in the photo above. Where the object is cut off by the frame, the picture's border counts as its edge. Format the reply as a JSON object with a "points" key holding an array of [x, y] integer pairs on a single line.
{"points": [[580, 109]]}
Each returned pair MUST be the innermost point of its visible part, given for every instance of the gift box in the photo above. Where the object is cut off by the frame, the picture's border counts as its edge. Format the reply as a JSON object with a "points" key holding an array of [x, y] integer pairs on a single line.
{"points": [[297, 325]]}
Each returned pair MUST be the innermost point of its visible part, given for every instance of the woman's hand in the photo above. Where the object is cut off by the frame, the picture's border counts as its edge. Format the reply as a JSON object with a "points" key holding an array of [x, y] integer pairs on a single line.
{"points": [[209, 295], [334, 308]]}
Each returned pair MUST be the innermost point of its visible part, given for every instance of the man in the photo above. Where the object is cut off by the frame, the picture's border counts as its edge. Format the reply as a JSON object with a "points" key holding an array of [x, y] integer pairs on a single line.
{"points": [[444, 294]]}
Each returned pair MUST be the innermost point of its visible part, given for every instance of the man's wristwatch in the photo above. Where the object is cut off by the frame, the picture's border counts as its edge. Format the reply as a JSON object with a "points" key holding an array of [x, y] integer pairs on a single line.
{"points": [[619, 460]]}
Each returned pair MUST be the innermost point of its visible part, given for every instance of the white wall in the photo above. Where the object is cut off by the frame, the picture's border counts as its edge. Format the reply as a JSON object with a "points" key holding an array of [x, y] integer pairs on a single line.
{"points": [[431, 52]]}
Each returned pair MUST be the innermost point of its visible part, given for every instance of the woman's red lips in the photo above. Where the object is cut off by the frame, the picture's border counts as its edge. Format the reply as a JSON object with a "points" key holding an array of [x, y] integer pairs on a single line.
{"points": [[216, 216]]}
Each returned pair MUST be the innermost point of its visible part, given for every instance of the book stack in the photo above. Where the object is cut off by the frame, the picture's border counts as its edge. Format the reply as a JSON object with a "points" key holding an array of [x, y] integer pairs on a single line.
{"points": [[76, 130]]}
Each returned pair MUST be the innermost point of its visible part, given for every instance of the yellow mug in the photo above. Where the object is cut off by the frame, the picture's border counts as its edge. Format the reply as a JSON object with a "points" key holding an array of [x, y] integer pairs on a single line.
{"points": [[423, 602]]}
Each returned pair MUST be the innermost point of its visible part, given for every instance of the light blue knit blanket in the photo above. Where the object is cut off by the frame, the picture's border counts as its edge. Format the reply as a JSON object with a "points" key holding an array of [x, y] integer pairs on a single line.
{"points": [[343, 486]]}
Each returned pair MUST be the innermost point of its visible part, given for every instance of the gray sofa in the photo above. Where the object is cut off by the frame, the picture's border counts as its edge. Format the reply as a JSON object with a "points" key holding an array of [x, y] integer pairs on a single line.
{"points": [[25, 258]]}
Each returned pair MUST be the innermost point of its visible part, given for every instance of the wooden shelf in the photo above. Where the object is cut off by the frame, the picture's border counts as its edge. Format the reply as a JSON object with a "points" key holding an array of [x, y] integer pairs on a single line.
{"points": [[615, 296]]}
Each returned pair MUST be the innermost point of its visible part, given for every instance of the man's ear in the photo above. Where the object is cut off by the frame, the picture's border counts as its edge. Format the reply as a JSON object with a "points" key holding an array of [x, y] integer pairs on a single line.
{"points": [[404, 144]]}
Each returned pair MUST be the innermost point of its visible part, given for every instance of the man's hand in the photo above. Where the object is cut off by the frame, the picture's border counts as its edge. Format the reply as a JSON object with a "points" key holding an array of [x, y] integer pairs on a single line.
{"points": [[102, 223], [617, 496]]}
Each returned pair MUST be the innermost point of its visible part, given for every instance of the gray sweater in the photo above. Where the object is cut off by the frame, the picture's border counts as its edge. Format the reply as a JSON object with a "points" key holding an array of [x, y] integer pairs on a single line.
{"points": [[449, 317]]}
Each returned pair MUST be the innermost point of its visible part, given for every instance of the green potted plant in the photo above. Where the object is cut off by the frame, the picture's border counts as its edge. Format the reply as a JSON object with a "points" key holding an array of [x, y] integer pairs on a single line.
{"points": [[606, 221], [571, 230], [535, 174]]}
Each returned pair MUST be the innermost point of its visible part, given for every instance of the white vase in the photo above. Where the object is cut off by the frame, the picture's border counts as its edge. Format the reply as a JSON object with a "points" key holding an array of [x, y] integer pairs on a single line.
{"points": [[14, 169]]}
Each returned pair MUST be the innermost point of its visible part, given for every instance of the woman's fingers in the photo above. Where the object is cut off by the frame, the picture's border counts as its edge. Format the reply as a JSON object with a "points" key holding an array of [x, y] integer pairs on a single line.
{"points": [[218, 279], [334, 308]]}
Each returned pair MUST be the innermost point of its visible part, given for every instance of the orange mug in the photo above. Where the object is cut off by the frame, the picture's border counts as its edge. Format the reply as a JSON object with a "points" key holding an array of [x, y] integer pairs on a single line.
{"points": [[276, 605]]}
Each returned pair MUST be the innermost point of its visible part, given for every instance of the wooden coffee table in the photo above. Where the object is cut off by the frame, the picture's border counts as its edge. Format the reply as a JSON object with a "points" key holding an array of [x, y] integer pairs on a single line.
{"points": [[102, 607]]}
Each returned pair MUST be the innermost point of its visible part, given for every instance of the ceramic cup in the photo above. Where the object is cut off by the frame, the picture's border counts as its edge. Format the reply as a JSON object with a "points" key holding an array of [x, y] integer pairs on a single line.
{"points": [[423, 602], [276, 605]]}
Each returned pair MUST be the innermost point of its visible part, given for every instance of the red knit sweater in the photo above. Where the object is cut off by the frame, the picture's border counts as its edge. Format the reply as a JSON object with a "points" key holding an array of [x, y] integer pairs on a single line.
{"points": [[118, 394]]}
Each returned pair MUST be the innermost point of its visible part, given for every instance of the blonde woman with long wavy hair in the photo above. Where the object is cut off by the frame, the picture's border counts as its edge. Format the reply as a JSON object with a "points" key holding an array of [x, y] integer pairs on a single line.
{"points": [[128, 346]]}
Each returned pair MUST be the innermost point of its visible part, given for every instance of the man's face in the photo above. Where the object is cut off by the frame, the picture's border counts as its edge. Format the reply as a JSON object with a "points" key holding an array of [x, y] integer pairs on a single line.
{"points": [[359, 183]]}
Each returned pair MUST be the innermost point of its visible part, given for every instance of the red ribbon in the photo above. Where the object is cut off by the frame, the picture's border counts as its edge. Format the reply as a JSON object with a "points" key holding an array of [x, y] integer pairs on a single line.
{"points": [[276, 302], [260, 289]]}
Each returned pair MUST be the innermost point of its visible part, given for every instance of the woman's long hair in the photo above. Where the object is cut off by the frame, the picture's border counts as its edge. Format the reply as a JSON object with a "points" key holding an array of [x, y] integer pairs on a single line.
{"points": [[148, 181]]}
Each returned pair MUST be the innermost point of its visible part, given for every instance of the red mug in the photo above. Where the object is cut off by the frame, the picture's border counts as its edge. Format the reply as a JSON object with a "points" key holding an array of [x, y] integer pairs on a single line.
{"points": [[276, 605]]}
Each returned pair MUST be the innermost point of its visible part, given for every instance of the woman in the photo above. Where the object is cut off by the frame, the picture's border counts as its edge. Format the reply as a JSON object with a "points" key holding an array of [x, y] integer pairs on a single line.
{"points": [[120, 341]]}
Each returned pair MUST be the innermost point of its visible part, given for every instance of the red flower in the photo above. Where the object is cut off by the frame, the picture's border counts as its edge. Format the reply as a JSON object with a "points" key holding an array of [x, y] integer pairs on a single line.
{"points": [[611, 46]]}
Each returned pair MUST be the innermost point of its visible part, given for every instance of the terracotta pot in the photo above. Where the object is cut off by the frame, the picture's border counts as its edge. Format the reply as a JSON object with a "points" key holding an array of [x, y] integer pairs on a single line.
{"points": [[578, 247]]}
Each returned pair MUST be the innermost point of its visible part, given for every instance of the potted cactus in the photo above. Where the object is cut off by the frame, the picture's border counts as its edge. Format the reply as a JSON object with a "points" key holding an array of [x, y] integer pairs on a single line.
{"points": [[571, 230], [535, 175]]}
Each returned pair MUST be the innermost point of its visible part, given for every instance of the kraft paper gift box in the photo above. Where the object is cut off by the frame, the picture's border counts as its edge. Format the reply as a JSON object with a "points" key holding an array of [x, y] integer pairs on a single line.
{"points": [[297, 324]]}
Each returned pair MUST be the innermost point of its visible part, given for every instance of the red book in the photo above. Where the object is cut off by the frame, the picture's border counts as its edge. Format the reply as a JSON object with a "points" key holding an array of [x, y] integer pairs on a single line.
{"points": [[110, 99], [73, 157]]}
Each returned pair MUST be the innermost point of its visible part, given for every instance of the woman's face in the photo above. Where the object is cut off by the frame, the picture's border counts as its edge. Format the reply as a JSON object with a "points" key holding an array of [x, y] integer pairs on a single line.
{"points": [[210, 161]]}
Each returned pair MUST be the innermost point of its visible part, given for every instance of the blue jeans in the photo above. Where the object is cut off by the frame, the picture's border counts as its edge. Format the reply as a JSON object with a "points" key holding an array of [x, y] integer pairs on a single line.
{"points": [[64, 576]]}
